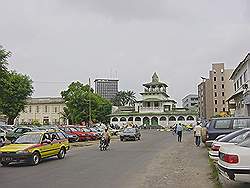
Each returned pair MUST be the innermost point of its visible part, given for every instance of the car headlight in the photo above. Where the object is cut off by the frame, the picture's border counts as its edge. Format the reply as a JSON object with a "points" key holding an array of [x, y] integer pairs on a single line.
{"points": [[22, 152]]}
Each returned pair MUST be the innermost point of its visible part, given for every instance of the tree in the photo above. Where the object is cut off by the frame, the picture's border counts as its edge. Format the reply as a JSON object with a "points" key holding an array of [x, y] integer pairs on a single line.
{"points": [[124, 98], [4, 55], [16, 89], [77, 99]]}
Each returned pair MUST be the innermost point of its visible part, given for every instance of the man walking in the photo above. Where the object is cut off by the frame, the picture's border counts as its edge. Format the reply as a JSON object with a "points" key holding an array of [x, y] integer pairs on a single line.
{"points": [[179, 130], [197, 134]]}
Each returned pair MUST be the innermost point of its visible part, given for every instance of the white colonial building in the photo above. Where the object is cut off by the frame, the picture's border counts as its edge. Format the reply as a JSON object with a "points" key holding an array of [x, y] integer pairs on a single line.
{"points": [[241, 95], [46, 111], [155, 108]]}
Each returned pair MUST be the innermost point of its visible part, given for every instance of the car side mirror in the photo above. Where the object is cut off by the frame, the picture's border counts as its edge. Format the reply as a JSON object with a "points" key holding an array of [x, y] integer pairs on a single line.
{"points": [[46, 142]]}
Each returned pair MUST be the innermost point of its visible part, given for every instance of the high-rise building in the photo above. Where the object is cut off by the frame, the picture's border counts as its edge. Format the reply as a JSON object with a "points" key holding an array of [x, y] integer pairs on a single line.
{"points": [[107, 88], [190, 101], [214, 91]]}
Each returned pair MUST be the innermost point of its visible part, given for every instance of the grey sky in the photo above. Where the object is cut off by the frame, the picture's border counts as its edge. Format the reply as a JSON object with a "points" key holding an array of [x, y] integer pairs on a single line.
{"points": [[62, 41]]}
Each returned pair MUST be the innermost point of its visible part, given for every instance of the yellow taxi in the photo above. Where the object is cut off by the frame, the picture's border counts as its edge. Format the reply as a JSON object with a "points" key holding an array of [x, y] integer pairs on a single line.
{"points": [[32, 147]]}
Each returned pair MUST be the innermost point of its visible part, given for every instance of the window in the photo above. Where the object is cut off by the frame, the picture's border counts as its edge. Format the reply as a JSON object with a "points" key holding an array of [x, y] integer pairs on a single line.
{"points": [[245, 76], [237, 84], [223, 102], [235, 88], [223, 94], [215, 94], [222, 78], [214, 86], [215, 102], [46, 109], [61, 135], [37, 109], [55, 109], [223, 110], [240, 137], [215, 79], [245, 143], [215, 109], [241, 123], [241, 81], [30, 109], [222, 124], [222, 86]]}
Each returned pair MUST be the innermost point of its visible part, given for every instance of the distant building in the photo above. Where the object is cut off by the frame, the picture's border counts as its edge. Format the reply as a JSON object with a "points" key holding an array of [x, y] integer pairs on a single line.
{"points": [[241, 95], [190, 101], [214, 91], [155, 108], [46, 111], [106, 88]]}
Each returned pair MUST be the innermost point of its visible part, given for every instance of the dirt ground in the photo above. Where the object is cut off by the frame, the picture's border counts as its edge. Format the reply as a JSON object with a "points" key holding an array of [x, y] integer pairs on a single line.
{"points": [[182, 165]]}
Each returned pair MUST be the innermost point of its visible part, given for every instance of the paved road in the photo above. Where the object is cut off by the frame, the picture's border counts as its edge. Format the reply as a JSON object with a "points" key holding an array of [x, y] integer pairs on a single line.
{"points": [[156, 161]]}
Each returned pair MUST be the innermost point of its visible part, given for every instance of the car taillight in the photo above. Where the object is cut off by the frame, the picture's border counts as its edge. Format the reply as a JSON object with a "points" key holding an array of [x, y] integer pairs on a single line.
{"points": [[232, 159], [215, 148]]}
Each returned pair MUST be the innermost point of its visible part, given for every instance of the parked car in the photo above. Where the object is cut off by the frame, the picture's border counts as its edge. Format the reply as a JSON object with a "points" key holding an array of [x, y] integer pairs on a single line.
{"points": [[2, 137], [70, 137], [7, 128], [34, 146], [130, 134], [82, 136], [219, 126], [230, 139], [19, 131], [234, 163], [99, 133]]}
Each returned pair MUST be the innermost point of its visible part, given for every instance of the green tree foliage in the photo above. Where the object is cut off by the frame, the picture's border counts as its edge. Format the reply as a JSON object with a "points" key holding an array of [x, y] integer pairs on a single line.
{"points": [[16, 89], [4, 55], [77, 98], [124, 98]]}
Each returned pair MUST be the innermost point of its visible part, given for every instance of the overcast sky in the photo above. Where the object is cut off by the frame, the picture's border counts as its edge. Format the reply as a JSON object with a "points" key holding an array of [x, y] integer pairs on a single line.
{"points": [[60, 41]]}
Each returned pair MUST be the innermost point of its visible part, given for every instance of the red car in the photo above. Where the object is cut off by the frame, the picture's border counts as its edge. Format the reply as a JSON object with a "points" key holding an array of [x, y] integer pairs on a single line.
{"points": [[91, 135], [73, 131]]}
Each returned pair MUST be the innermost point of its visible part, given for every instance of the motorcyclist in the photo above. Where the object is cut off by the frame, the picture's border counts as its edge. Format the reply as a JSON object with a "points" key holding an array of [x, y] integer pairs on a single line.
{"points": [[106, 136]]}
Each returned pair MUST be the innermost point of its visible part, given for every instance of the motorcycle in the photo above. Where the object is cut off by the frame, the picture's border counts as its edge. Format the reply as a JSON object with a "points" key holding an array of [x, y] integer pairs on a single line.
{"points": [[103, 144]]}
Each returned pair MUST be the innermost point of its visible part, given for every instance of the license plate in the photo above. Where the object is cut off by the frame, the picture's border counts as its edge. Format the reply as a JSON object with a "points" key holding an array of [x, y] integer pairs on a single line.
{"points": [[6, 158]]}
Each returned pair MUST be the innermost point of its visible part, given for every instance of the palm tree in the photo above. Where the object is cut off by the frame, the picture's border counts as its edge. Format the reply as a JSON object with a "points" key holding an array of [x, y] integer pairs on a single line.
{"points": [[131, 98], [124, 98]]}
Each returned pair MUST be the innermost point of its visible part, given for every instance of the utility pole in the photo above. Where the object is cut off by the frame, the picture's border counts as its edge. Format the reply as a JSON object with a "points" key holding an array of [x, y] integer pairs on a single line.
{"points": [[89, 102]]}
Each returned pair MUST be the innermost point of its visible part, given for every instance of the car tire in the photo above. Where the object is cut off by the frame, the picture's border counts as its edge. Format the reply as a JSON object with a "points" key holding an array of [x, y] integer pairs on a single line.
{"points": [[35, 158], [121, 139], [61, 153], [139, 138], [4, 163]]}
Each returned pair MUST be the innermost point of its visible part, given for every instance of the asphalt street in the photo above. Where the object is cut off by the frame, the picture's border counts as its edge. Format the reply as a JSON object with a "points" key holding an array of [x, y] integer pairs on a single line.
{"points": [[121, 166]]}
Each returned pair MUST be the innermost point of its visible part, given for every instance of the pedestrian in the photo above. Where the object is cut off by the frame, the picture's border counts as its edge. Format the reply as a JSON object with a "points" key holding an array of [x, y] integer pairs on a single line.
{"points": [[179, 130], [197, 134]]}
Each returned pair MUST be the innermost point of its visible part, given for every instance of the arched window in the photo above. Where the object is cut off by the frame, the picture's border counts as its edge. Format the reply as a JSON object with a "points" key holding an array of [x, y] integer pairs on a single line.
{"points": [[163, 118], [190, 118], [130, 119], [172, 118], [181, 118], [154, 121], [137, 119], [115, 119], [123, 119], [146, 121]]}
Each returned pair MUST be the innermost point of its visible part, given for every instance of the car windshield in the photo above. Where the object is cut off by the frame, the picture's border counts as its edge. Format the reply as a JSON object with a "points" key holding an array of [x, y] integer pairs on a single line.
{"points": [[129, 130], [86, 130], [29, 139], [74, 129], [231, 136], [93, 130]]}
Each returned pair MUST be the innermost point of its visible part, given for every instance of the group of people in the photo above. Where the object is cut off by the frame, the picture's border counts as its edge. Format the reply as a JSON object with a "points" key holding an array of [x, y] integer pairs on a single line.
{"points": [[197, 133]]}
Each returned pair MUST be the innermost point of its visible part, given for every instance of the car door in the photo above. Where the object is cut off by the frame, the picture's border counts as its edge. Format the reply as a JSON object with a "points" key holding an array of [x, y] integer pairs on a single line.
{"points": [[55, 144]]}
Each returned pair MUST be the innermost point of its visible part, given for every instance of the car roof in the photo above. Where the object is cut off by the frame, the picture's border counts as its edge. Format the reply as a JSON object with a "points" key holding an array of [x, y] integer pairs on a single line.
{"points": [[247, 117]]}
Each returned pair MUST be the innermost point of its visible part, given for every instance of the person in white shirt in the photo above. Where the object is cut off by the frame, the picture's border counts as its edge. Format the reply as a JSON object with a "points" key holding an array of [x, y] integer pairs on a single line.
{"points": [[197, 134]]}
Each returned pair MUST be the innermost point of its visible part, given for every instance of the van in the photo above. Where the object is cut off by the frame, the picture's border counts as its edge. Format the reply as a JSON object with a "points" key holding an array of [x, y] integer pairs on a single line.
{"points": [[224, 126]]}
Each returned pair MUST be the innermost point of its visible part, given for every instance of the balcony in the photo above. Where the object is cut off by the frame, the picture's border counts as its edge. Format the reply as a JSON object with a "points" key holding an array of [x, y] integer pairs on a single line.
{"points": [[151, 109]]}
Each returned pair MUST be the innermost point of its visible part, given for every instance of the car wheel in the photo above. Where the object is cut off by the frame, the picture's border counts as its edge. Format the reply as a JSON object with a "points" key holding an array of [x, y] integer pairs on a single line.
{"points": [[61, 153], [121, 139], [35, 158], [4, 163], [139, 138], [77, 139]]}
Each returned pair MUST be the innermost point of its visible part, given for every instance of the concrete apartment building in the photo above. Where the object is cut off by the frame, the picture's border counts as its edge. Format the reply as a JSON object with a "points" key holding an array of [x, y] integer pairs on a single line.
{"points": [[44, 110], [190, 101], [214, 91], [107, 88], [241, 94]]}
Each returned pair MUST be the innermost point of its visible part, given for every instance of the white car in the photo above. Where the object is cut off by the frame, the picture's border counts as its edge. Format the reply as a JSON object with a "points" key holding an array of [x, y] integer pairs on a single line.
{"points": [[2, 137], [234, 163], [230, 139]]}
